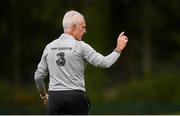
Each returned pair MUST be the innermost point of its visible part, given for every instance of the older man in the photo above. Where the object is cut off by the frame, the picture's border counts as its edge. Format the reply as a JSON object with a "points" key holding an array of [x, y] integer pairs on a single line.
{"points": [[65, 59]]}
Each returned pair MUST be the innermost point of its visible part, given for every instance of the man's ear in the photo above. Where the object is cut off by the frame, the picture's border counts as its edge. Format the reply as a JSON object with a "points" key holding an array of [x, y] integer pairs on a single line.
{"points": [[75, 25]]}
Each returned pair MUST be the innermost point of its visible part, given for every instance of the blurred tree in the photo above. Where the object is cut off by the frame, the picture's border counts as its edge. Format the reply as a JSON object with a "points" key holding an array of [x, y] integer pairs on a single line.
{"points": [[151, 25], [151, 21], [16, 44], [146, 37]]}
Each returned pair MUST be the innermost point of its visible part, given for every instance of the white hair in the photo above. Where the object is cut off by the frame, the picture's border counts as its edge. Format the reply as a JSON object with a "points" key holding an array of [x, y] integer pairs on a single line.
{"points": [[71, 18]]}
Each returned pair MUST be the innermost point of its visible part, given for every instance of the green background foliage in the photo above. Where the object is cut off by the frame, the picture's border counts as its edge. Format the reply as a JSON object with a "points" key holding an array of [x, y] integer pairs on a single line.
{"points": [[144, 80]]}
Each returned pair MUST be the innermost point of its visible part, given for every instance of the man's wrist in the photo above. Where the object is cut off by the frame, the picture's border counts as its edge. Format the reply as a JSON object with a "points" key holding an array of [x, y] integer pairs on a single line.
{"points": [[43, 97], [118, 51]]}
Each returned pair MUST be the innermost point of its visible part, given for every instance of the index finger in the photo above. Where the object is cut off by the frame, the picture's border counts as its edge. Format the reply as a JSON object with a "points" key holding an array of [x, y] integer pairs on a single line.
{"points": [[122, 33]]}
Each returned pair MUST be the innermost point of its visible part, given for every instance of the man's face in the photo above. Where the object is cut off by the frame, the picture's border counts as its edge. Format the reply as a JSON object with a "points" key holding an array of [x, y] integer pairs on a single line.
{"points": [[80, 29]]}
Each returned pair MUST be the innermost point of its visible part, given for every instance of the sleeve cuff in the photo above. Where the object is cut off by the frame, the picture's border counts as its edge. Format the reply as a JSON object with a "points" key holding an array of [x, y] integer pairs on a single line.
{"points": [[117, 51]]}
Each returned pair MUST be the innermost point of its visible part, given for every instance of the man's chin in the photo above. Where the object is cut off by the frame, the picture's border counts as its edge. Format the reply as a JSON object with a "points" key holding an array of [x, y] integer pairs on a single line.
{"points": [[80, 38]]}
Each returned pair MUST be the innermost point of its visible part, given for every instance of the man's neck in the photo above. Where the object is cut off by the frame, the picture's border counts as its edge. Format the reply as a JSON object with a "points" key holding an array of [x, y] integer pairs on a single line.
{"points": [[71, 34]]}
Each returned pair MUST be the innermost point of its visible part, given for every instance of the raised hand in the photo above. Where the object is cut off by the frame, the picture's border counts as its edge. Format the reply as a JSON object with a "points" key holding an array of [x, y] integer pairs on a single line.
{"points": [[121, 42]]}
